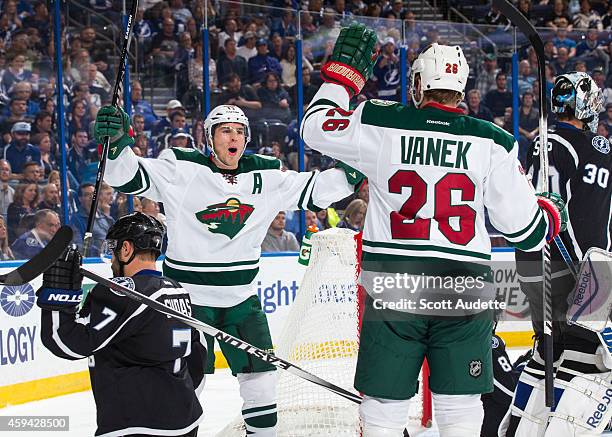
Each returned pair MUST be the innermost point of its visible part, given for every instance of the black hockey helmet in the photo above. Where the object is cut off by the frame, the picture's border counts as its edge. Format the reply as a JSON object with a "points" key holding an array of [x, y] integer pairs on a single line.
{"points": [[145, 232]]}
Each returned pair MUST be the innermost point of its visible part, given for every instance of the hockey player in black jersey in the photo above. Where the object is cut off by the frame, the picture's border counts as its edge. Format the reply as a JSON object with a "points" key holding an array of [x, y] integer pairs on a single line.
{"points": [[580, 164], [145, 368]]}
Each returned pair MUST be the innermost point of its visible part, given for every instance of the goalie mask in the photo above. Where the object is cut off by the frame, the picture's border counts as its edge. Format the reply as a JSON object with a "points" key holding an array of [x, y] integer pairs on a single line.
{"points": [[439, 67], [577, 94], [225, 114]]}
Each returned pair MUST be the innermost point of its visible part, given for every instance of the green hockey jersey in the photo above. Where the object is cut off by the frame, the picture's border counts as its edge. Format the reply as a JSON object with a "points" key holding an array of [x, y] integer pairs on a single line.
{"points": [[217, 219], [432, 172]]}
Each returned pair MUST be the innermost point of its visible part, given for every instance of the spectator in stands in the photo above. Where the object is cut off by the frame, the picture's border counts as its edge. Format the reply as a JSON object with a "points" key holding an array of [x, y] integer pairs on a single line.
{"points": [[31, 173], [308, 26], [16, 72], [23, 91], [79, 118], [6, 191], [230, 62], [561, 40], [285, 25], [606, 20], [24, 203], [18, 113], [262, 64], [559, 11], [590, 51], [143, 107], [354, 215], [79, 156], [244, 96], [528, 124], [179, 11], [308, 89], [165, 123], [587, 17], [603, 130], [600, 79], [179, 137], [105, 201], [500, 98], [78, 222], [230, 31], [46, 224], [563, 64], [180, 63], [248, 49], [525, 77], [151, 208], [604, 116], [274, 99], [20, 151], [96, 89], [580, 66], [163, 47], [50, 198], [143, 138], [47, 158], [487, 73], [288, 65], [278, 239], [42, 123], [6, 254], [177, 121], [387, 71], [476, 108], [277, 47], [40, 21]]}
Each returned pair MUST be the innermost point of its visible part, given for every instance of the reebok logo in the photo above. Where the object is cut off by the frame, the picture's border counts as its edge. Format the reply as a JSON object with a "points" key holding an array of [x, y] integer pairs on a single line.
{"points": [[602, 407], [443, 123]]}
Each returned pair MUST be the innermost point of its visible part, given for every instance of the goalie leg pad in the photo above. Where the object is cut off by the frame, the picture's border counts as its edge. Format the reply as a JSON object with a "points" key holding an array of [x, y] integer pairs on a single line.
{"points": [[258, 392], [383, 417], [584, 405], [458, 415], [529, 412]]}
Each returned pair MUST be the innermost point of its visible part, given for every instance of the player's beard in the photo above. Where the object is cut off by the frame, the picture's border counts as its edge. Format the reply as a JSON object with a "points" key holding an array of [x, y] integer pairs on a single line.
{"points": [[115, 267]]}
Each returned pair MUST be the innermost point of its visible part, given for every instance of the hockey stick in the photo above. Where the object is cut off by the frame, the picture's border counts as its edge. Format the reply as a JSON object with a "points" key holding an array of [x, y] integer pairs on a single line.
{"points": [[115, 101], [41, 261], [222, 336], [525, 26]]}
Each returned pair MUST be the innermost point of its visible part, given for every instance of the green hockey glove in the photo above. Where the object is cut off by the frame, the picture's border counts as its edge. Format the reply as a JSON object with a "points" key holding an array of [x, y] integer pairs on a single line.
{"points": [[353, 58], [354, 177], [114, 123], [554, 206]]}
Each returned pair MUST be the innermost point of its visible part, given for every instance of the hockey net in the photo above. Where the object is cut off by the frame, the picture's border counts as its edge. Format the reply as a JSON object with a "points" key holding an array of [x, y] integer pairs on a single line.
{"points": [[321, 335]]}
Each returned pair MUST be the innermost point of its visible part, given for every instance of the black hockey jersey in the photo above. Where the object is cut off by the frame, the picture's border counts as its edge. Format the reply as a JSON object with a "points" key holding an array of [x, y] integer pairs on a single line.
{"points": [[145, 367], [579, 170]]}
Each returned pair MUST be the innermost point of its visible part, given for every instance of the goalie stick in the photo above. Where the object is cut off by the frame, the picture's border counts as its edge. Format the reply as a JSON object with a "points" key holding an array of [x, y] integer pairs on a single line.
{"points": [[525, 26], [115, 101], [41, 261], [222, 336]]}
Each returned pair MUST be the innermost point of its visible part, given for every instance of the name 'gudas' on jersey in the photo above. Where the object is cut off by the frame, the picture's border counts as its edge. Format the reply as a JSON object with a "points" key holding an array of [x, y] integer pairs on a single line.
{"points": [[431, 172], [218, 219]]}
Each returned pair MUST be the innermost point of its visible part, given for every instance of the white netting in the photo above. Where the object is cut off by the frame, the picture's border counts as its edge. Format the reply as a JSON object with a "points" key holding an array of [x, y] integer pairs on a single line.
{"points": [[321, 335]]}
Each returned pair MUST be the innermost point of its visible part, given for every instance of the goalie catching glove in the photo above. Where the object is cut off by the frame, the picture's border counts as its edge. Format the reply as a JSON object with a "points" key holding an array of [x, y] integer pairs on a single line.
{"points": [[554, 206], [61, 288], [114, 123], [353, 58]]}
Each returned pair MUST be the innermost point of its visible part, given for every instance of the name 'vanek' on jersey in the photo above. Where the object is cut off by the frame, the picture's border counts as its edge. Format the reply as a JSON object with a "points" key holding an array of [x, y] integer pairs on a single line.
{"points": [[418, 150]]}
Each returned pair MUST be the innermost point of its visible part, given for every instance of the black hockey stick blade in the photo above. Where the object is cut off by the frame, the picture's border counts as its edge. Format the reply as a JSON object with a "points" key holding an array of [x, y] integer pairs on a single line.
{"points": [[42, 261], [222, 336]]}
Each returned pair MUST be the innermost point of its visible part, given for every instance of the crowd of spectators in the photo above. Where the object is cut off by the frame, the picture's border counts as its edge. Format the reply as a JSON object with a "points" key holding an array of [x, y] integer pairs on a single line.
{"points": [[253, 65]]}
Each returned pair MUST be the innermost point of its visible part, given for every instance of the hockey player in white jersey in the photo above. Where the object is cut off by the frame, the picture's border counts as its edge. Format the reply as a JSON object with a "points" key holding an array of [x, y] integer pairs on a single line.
{"points": [[218, 209], [431, 170]]}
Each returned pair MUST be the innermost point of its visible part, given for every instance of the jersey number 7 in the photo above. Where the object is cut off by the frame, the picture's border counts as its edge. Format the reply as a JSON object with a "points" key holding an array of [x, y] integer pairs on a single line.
{"points": [[405, 225]]}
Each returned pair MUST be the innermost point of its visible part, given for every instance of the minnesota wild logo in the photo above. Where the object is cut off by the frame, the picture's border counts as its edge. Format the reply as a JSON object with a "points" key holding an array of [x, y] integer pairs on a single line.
{"points": [[226, 218]]}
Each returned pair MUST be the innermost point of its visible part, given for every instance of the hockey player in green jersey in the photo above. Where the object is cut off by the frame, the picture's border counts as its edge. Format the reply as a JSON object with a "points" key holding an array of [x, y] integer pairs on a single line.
{"points": [[432, 170], [218, 209]]}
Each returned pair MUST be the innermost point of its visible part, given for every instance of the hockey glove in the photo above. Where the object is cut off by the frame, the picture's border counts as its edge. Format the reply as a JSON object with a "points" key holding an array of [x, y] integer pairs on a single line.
{"points": [[62, 282], [353, 58], [354, 177], [114, 123], [554, 206]]}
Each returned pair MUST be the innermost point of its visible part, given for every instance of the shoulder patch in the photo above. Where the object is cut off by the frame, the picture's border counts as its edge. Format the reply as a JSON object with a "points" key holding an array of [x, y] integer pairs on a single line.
{"points": [[379, 102], [601, 144], [494, 342], [125, 281]]}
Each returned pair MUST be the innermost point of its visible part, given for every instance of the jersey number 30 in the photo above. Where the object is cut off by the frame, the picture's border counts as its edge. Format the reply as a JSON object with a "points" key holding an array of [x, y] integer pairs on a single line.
{"points": [[404, 225]]}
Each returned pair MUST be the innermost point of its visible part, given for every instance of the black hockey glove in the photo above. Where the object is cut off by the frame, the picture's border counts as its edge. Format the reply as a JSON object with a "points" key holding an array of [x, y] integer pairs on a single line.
{"points": [[62, 282]]}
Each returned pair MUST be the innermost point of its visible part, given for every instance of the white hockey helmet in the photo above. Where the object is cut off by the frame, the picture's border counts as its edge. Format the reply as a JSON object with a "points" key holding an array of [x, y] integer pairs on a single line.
{"points": [[225, 114], [440, 67]]}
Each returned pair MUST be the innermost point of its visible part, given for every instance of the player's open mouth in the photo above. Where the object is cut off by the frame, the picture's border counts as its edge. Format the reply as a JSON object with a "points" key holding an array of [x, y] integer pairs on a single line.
{"points": [[232, 150]]}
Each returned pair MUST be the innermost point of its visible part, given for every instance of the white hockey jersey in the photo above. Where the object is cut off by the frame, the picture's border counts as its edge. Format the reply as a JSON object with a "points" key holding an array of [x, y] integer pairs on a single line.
{"points": [[431, 173], [217, 220]]}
